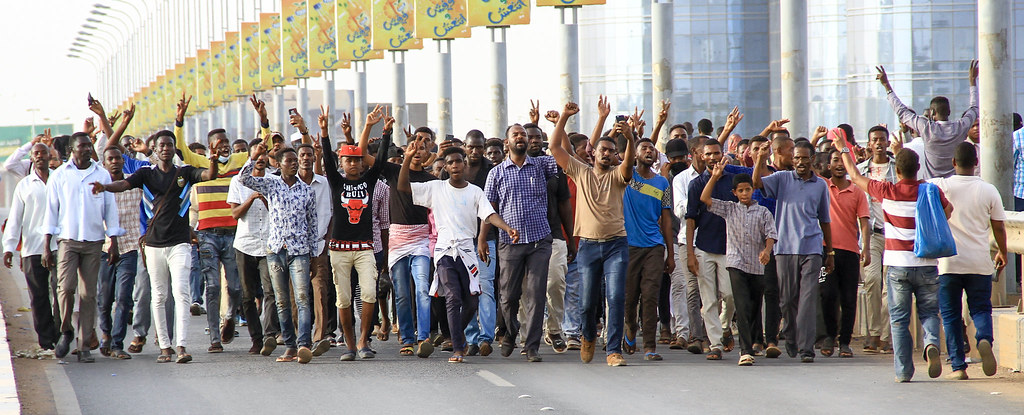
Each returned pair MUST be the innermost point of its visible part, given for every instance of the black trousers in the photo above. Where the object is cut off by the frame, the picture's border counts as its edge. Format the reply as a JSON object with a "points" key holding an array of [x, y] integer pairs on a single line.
{"points": [[772, 309], [460, 304], [250, 269], [747, 293], [42, 284], [524, 276], [839, 296]]}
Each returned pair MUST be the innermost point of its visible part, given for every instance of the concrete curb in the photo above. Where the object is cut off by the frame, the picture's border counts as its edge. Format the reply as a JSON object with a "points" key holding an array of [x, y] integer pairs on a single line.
{"points": [[9, 403]]}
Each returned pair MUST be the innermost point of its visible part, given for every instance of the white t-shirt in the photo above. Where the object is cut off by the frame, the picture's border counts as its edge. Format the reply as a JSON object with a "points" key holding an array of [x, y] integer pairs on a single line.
{"points": [[877, 172], [455, 210], [251, 233], [975, 204]]}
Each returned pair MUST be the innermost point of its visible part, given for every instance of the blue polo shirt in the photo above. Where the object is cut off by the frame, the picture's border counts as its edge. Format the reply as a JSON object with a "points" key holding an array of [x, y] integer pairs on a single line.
{"points": [[800, 206], [710, 227]]}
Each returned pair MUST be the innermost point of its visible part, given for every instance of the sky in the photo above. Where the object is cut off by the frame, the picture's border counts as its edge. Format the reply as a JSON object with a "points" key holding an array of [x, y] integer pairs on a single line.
{"points": [[39, 75]]}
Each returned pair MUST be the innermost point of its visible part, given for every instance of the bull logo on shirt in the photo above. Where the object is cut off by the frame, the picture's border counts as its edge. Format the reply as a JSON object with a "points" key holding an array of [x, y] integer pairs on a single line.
{"points": [[354, 200]]}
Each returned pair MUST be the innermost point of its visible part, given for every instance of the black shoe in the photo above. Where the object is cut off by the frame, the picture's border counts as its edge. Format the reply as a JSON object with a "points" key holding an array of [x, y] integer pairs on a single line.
{"points": [[506, 349], [472, 350], [807, 358], [791, 349], [63, 345], [557, 344], [533, 357], [85, 356], [196, 309]]}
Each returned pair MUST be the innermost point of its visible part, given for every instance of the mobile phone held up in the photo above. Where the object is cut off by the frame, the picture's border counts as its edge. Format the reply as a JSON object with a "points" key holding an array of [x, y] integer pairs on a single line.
{"points": [[293, 111], [91, 100], [620, 118]]}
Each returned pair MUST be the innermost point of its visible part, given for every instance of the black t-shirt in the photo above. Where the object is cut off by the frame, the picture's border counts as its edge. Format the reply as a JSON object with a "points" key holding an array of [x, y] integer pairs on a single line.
{"points": [[558, 191], [401, 208], [170, 226], [352, 200]]}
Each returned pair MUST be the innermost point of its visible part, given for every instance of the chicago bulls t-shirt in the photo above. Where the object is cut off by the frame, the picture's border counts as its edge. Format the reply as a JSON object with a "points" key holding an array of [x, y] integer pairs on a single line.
{"points": [[352, 200]]}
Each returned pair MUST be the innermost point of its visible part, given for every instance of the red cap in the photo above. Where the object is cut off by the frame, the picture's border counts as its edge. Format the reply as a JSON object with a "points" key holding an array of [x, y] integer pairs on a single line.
{"points": [[349, 151]]}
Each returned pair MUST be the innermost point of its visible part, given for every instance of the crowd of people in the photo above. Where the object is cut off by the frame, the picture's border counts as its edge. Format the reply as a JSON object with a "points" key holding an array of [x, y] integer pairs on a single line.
{"points": [[467, 245]]}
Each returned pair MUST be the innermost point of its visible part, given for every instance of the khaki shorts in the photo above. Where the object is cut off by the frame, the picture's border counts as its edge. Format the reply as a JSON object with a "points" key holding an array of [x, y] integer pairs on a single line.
{"points": [[342, 263]]}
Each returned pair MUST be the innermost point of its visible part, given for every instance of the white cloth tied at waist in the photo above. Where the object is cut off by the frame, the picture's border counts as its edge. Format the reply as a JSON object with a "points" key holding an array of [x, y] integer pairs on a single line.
{"points": [[405, 240], [464, 249]]}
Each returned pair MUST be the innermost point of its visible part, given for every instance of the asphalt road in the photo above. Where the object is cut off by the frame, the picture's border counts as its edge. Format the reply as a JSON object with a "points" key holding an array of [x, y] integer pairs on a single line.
{"points": [[235, 382]]}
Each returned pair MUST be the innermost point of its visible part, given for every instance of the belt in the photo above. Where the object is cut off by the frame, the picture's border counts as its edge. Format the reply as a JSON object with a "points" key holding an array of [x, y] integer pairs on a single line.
{"points": [[880, 231], [220, 231], [592, 240]]}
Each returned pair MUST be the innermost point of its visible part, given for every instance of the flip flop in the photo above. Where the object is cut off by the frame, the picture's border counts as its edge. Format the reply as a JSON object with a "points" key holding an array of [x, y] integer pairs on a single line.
{"points": [[628, 346], [406, 350], [384, 332], [164, 358], [455, 359]]}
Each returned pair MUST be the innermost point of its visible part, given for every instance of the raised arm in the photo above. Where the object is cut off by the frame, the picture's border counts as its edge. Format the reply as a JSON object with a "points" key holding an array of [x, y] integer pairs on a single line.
{"points": [[716, 173], [97, 108], [346, 128], [731, 121], [603, 110], [115, 139], [660, 121], [187, 155], [211, 173], [558, 136], [261, 109], [364, 139], [773, 126], [403, 175], [819, 132], [904, 113], [259, 184], [629, 156], [760, 170], [850, 165], [299, 123]]}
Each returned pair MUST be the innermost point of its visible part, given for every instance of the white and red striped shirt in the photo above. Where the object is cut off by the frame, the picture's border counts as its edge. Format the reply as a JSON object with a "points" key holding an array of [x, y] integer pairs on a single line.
{"points": [[899, 203]]}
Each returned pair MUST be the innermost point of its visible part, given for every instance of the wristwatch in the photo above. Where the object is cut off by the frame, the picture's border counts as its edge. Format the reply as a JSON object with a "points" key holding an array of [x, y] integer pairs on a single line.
{"points": [[845, 150]]}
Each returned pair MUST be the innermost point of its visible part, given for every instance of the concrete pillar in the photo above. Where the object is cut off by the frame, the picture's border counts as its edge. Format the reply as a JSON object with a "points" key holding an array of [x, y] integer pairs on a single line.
{"points": [[569, 62], [398, 108], [328, 102], [211, 123], [280, 120], [359, 96], [661, 61], [444, 88], [996, 91], [793, 20], [225, 121], [192, 136], [302, 100], [499, 83], [240, 124]]}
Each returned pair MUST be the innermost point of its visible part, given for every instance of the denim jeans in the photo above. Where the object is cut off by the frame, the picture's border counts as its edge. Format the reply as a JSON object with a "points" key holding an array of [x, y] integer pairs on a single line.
{"points": [[480, 328], [195, 277], [215, 250], [904, 284], [117, 283], [572, 323], [979, 301], [411, 276], [604, 260], [285, 268]]}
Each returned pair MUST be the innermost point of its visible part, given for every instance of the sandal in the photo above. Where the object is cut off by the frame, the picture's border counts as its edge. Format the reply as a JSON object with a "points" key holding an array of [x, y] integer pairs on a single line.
{"points": [[455, 359], [120, 355], [136, 345], [715, 354], [165, 356], [385, 331], [288, 356], [746, 360], [406, 350], [652, 356], [182, 356], [628, 346]]}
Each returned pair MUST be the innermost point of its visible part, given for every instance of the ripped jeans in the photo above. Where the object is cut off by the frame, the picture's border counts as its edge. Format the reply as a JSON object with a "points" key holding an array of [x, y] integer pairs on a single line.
{"points": [[285, 268]]}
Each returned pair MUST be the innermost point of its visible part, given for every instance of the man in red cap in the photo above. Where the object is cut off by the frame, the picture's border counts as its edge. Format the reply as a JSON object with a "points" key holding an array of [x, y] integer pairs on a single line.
{"points": [[351, 239]]}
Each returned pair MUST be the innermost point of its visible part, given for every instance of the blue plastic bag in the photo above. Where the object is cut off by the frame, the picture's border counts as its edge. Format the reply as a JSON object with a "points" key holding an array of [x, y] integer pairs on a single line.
{"points": [[934, 238]]}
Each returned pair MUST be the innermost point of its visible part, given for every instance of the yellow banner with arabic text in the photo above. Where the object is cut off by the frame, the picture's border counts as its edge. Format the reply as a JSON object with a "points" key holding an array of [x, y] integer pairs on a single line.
{"points": [[498, 12], [249, 58], [567, 3], [393, 25], [218, 83], [294, 58], [323, 36], [189, 82], [441, 19], [229, 61], [271, 73], [204, 93], [354, 27]]}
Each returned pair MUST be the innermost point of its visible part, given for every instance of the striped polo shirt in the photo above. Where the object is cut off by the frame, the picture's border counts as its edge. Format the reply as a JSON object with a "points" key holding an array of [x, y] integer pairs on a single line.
{"points": [[899, 202]]}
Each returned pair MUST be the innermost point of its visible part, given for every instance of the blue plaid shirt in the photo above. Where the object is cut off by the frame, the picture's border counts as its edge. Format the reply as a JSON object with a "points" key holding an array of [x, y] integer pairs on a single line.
{"points": [[1018, 163], [522, 196]]}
